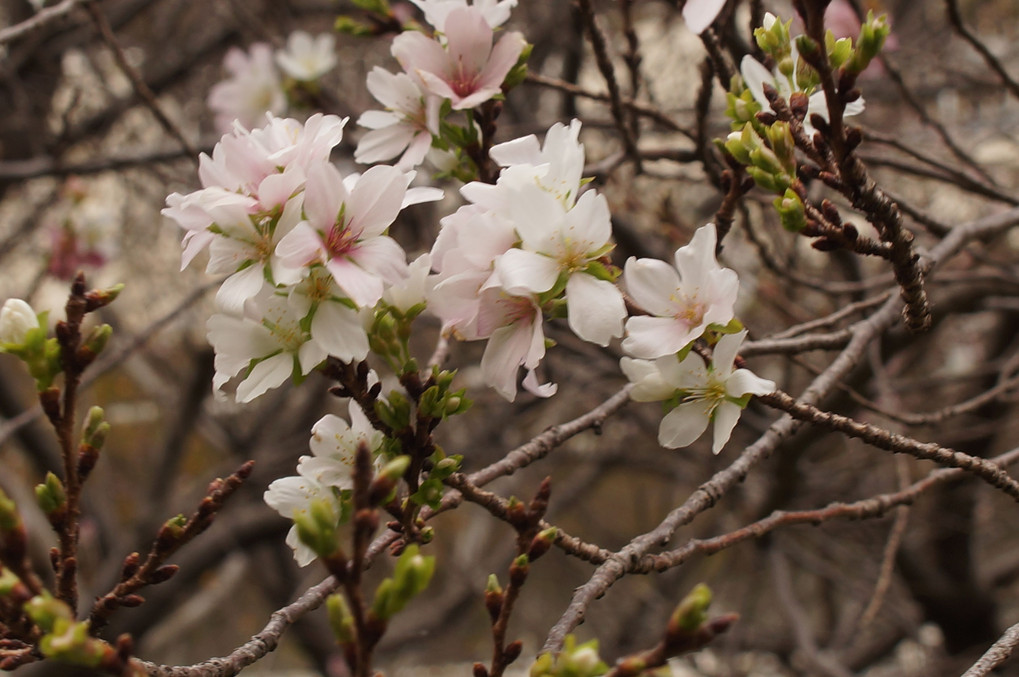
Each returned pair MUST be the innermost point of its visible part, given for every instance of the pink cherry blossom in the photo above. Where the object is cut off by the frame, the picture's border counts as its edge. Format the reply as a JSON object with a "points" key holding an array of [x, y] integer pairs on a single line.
{"points": [[345, 229], [467, 69]]}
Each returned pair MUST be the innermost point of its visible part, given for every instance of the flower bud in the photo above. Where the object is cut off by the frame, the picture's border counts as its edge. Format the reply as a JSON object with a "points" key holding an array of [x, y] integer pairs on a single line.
{"points": [[340, 619], [51, 495], [17, 319], [691, 613]]}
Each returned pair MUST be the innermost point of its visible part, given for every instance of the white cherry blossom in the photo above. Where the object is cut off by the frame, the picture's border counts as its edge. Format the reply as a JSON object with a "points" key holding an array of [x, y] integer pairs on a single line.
{"points": [[334, 445], [407, 125], [307, 58], [268, 344], [496, 12], [17, 319], [706, 395], [681, 301]]}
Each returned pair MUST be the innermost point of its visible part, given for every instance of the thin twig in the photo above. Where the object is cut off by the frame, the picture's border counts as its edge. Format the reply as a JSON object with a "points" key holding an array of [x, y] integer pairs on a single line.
{"points": [[38, 20], [137, 82]]}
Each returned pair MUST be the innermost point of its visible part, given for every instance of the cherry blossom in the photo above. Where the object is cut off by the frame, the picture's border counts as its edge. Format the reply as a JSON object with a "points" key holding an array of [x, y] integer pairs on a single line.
{"points": [[335, 325], [306, 58], [268, 343], [714, 394], [252, 90], [407, 125], [334, 445], [467, 69], [496, 12], [559, 245], [682, 301], [345, 226]]}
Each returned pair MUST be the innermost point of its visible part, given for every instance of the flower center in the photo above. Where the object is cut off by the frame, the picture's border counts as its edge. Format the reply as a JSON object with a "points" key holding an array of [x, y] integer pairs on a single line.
{"points": [[340, 241]]}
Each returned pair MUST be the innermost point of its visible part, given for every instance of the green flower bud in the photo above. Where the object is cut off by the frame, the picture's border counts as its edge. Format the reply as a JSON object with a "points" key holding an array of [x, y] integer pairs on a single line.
{"points": [[790, 211], [873, 34], [340, 619], [45, 611], [51, 495], [691, 613], [316, 528], [9, 517]]}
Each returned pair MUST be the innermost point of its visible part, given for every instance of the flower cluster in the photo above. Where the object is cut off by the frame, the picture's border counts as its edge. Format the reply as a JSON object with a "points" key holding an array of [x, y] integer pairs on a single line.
{"points": [[258, 78], [325, 477], [683, 304], [459, 68], [791, 73], [305, 248], [530, 244]]}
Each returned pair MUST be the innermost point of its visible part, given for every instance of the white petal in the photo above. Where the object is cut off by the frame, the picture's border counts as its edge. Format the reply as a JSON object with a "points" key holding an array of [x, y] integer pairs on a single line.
{"points": [[699, 14], [726, 415], [267, 374], [684, 424], [725, 352], [651, 284], [651, 337], [744, 381], [240, 287], [595, 307], [522, 272], [339, 331], [649, 386]]}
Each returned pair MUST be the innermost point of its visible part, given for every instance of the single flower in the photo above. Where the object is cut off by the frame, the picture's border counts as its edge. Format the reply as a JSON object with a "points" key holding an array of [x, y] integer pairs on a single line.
{"points": [[252, 90], [334, 445], [682, 301], [306, 58], [704, 394], [407, 125], [293, 496], [467, 69]]}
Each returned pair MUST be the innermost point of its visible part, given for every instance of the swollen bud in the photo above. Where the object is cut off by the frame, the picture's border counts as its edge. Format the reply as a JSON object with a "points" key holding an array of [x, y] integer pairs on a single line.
{"points": [[17, 320], [790, 211], [873, 34], [691, 613], [340, 619], [51, 495]]}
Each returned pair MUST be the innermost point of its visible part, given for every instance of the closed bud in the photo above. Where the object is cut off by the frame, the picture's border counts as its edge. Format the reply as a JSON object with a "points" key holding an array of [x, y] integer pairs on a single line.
{"points": [[519, 569], [479, 670], [541, 543], [512, 651], [131, 601], [97, 298], [691, 612], [873, 33], [17, 320], [50, 495], [162, 574], [9, 517], [95, 418], [94, 343], [340, 619]]}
